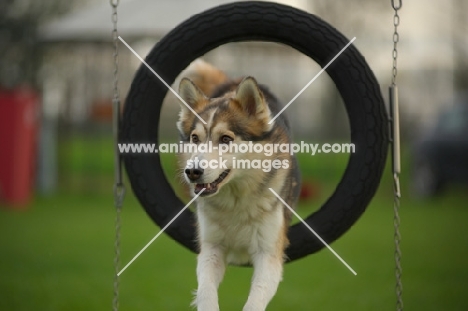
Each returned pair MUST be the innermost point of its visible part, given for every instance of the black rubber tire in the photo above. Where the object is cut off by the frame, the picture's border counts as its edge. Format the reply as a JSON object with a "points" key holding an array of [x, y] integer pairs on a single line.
{"points": [[260, 21]]}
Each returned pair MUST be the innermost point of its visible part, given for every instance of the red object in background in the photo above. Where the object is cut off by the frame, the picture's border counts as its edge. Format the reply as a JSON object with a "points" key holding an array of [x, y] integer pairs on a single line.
{"points": [[309, 190], [18, 134]]}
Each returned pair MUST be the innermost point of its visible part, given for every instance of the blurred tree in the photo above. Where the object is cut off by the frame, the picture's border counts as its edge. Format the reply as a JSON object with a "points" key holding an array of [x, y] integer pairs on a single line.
{"points": [[20, 51]]}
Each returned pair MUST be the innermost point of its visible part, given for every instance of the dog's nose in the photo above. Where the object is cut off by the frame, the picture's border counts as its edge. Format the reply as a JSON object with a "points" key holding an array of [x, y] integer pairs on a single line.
{"points": [[193, 173]]}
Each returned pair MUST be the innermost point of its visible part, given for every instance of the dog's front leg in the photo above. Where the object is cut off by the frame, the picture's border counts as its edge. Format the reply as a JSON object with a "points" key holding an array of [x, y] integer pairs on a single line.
{"points": [[210, 272], [268, 270]]}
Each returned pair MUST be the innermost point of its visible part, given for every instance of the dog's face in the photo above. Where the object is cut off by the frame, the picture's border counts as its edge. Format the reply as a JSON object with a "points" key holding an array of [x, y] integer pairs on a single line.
{"points": [[236, 118]]}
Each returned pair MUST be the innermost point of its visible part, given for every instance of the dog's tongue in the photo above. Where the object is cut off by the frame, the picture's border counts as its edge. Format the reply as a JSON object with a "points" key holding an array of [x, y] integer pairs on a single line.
{"points": [[208, 187], [199, 187]]}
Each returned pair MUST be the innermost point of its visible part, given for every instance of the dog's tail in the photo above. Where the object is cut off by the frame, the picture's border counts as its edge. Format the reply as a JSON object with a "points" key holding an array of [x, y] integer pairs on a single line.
{"points": [[206, 76]]}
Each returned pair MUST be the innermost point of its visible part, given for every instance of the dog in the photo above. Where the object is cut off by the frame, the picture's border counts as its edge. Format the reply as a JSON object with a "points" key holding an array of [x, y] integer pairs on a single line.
{"points": [[239, 220]]}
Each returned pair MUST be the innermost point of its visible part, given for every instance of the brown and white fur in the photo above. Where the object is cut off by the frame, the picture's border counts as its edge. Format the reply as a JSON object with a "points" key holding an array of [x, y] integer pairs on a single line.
{"points": [[240, 221]]}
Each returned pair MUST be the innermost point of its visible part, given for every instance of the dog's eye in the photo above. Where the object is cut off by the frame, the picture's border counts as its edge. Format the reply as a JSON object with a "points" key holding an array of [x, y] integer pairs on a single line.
{"points": [[225, 139], [195, 139]]}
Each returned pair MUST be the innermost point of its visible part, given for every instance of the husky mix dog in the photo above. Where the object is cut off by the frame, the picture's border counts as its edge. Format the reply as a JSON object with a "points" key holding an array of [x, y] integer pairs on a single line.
{"points": [[239, 220]]}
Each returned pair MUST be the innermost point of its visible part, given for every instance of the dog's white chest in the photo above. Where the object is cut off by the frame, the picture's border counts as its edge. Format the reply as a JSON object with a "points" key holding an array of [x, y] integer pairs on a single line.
{"points": [[242, 230]]}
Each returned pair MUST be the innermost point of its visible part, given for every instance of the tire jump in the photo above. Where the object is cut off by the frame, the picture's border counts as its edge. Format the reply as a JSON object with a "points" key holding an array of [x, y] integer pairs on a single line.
{"points": [[260, 21]]}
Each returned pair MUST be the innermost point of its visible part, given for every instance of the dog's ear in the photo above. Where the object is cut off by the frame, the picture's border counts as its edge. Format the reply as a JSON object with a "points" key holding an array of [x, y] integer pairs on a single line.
{"points": [[192, 95], [251, 99]]}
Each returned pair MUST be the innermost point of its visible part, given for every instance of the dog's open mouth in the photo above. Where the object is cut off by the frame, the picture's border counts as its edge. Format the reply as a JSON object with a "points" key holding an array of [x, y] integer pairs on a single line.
{"points": [[211, 187]]}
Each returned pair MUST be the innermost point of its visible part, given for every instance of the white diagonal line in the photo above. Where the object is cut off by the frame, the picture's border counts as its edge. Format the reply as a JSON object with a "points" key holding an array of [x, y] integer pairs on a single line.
{"points": [[313, 79], [162, 80], [312, 230], [160, 232]]}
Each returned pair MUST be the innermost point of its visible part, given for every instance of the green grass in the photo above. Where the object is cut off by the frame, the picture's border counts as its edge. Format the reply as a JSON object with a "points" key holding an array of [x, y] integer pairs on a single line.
{"points": [[58, 255]]}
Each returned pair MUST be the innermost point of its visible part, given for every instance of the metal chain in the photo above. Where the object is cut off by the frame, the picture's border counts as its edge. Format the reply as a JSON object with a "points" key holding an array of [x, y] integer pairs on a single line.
{"points": [[396, 37], [396, 4], [397, 236], [119, 188], [119, 193], [115, 41]]}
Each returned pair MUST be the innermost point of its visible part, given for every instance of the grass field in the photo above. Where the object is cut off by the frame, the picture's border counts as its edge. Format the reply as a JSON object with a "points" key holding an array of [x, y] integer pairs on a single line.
{"points": [[58, 255]]}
